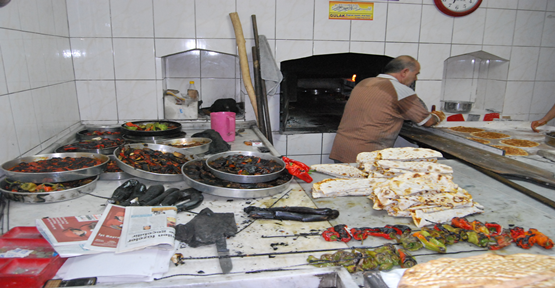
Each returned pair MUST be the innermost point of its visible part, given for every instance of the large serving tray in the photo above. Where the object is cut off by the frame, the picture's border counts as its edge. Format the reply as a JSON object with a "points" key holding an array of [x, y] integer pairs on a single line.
{"points": [[245, 178], [109, 176], [200, 149], [81, 135], [105, 151], [47, 177], [49, 197], [146, 174], [233, 192], [140, 133]]}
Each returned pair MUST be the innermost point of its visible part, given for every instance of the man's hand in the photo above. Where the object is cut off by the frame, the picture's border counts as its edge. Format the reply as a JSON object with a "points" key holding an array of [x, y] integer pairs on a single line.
{"points": [[440, 115], [536, 124]]}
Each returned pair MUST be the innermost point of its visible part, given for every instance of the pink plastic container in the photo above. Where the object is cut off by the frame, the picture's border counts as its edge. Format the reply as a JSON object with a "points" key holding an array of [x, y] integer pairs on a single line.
{"points": [[223, 123]]}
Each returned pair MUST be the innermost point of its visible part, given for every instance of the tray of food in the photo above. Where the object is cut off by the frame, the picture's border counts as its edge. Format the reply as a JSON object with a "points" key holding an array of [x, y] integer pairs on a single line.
{"points": [[55, 167], [198, 176], [113, 171], [192, 145], [28, 192], [104, 146], [245, 166], [151, 128], [152, 161], [101, 131]]}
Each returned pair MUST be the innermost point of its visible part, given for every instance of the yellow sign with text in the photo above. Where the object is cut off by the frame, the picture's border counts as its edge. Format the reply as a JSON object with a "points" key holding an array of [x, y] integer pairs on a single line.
{"points": [[351, 10]]}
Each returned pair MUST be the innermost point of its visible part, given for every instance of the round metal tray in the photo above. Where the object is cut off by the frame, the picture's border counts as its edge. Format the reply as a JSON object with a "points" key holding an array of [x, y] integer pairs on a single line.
{"points": [[200, 149], [81, 134], [146, 174], [153, 139], [245, 178], [47, 177], [105, 151], [140, 133], [109, 176], [233, 192], [49, 197]]}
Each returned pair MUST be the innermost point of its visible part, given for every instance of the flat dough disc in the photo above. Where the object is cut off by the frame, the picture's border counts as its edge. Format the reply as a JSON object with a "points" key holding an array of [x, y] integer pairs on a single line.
{"points": [[466, 129], [490, 135], [511, 151], [483, 141], [520, 143]]}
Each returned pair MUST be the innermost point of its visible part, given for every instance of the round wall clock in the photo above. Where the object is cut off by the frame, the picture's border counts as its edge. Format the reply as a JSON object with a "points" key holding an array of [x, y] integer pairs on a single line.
{"points": [[457, 8]]}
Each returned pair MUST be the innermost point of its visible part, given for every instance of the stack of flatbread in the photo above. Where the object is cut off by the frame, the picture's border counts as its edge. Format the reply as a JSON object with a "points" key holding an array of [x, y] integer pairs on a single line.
{"points": [[405, 154], [390, 168], [339, 170], [486, 270], [428, 198], [338, 187]]}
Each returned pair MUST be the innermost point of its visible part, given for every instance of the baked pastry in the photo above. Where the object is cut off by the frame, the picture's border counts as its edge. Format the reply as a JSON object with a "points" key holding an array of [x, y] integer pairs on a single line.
{"points": [[483, 141], [520, 143], [512, 151], [339, 170], [466, 129], [490, 135]]}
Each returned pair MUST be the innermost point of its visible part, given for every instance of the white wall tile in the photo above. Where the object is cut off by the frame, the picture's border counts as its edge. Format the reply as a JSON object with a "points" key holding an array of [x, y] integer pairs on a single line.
{"points": [[217, 65], [538, 5], [214, 89], [28, 15], [330, 47], [92, 58], [8, 142], [26, 125], [306, 159], [470, 29], [528, 28], [46, 17], [518, 98], [507, 4], [371, 30], [398, 49], [220, 45], [183, 64], [212, 19], [132, 18], [500, 25], [300, 144], [325, 159], [36, 65], [550, 6], [407, 14], [524, 61], [89, 18], [546, 69], [3, 83], [166, 47], [60, 15], [329, 29], [291, 49], [464, 49], [294, 19], [543, 98], [9, 16], [435, 27], [377, 48], [136, 100], [431, 58], [15, 62], [264, 10], [501, 51], [327, 142], [548, 35], [174, 18], [134, 58], [97, 100]]}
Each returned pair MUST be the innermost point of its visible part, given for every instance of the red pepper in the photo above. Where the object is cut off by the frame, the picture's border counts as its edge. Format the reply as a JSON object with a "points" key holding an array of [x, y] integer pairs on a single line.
{"points": [[131, 124], [337, 233], [297, 169], [380, 232], [494, 228], [541, 239], [501, 241], [479, 227], [358, 233], [399, 229], [523, 239], [330, 235], [461, 223]]}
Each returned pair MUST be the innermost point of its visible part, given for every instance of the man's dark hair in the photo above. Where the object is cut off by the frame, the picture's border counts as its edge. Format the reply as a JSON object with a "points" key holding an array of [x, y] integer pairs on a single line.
{"points": [[398, 64]]}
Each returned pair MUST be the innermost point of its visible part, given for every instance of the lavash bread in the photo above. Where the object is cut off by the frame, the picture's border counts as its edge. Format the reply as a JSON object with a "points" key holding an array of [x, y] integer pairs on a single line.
{"points": [[390, 168], [343, 187], [486, 270], [399, 154], [426, 197], [339, 170]]}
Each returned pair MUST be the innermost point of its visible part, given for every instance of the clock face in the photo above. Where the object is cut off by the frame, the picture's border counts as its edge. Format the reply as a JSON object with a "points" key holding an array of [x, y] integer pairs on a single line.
{"points": [[457, 8]]}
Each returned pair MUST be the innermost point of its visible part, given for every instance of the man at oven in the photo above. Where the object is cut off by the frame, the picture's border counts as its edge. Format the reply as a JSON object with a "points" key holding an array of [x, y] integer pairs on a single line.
{"points": [[548, 117], [377, 108]]}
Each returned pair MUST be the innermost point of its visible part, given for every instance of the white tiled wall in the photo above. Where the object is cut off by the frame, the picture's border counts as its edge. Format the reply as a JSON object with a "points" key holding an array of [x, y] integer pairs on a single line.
{"points": [[99, 61]]}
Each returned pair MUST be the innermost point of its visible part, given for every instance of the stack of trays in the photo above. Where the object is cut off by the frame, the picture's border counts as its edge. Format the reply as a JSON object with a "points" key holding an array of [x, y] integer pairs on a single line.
{"points": [[52, 177]]}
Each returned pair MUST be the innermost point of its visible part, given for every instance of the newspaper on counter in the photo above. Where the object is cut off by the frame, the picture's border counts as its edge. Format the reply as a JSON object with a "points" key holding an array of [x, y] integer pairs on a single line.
{"points": [[68, 235], [123, 229]]}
